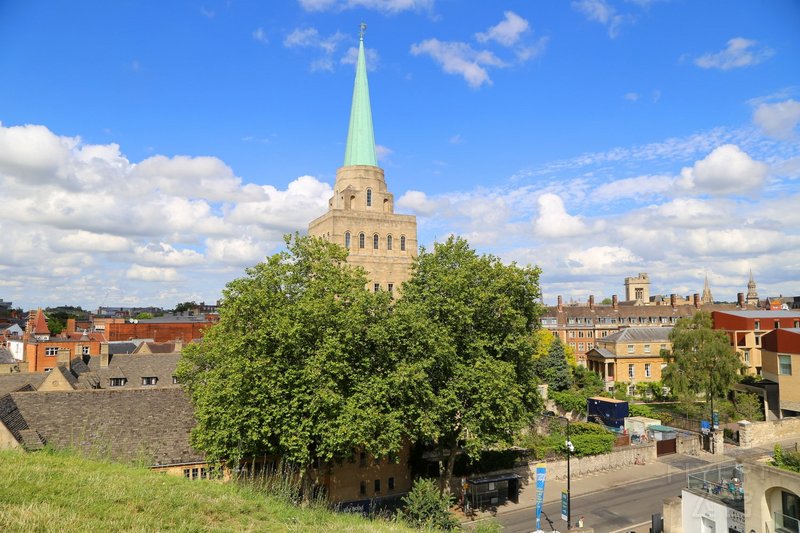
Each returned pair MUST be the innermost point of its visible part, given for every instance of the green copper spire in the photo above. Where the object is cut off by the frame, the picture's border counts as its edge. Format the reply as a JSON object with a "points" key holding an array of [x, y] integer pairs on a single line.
{"points": [[360, 137]]}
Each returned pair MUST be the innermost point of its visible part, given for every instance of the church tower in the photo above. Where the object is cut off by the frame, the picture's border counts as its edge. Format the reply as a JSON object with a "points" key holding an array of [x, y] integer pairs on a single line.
{"points": [[752, 293], [707, 298], [361, 213]]}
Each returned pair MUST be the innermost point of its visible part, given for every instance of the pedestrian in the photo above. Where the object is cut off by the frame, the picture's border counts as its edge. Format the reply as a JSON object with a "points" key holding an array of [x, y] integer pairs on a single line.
{"points": [[580, 522]]}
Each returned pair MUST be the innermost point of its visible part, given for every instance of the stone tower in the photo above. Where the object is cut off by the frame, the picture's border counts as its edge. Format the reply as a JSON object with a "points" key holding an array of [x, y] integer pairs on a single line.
{"points": [[638, 289], [752, 293], [361, 213], [707, 298]]}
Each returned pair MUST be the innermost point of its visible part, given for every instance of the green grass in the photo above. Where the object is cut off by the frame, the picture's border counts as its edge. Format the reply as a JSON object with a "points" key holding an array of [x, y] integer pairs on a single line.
{"points": [[48, 491]]}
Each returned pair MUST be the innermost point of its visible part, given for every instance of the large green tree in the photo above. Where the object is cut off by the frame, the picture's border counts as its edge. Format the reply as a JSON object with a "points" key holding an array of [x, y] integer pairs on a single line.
{"points": [[465, 325], [553, 368], [298, 365], [702, 361]]}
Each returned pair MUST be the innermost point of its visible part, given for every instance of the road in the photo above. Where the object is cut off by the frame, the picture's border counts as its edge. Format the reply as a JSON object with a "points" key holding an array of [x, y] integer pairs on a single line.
{"points": [[614, 510]]}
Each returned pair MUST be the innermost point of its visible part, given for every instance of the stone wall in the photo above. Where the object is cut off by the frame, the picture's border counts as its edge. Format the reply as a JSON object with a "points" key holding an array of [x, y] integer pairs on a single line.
{"points": [[581, 466], [755, 434], [690, 444]]}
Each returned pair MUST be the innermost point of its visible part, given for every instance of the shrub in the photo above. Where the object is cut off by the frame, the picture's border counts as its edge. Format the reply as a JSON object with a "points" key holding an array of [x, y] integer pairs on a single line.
{"points": [[570, 401], [642, 410], [785, 459], [427, 508]]}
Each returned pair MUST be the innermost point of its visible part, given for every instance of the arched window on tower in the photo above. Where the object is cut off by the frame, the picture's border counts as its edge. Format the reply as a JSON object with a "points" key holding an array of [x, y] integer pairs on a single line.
{"points": [[362, 240], [388, 242], [402, 243], [375, 240], [369, 197], [347, 240]]}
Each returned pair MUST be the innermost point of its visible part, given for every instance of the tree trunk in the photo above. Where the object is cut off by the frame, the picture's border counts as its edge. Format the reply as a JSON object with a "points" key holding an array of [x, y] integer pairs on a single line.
{"points": [[447, 466]]}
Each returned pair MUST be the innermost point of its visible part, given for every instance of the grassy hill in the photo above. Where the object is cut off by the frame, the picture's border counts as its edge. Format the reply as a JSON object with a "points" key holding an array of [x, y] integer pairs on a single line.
{"points": [[64, 492]]}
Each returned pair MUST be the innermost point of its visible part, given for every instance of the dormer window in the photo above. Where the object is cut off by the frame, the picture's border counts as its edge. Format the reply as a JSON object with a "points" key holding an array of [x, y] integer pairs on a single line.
{"points": [[151, 380], [117, 382], [369, 197]]}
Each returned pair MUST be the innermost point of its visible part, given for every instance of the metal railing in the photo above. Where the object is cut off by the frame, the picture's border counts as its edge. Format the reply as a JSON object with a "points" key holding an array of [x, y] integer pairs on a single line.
{"points": [[786, 524], [725, 484]]}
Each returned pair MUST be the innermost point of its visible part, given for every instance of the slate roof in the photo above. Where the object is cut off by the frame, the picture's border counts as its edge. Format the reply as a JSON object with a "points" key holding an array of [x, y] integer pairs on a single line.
{"points": [[156, 347], [149, 425], [764, 314], [602, 352], [639, 334], [629, 311], [115, 348], [133, 367], [20, 380], [6, 358]]}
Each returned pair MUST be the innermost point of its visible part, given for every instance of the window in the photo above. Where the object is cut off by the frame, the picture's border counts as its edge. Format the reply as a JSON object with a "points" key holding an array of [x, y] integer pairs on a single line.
{"points": [[647, 370], [362, 488], [375, 241], [362, 240], [646, 348], [571, 334], [85, 350], [151, 380], [746, 356], [187, 473], [195, 473], [589, 334], [51, 351], [377, 486], [662, 347], [757, 325], [48, 369], [391, 483], [785, 365], [376, 287], [589, 345], [777, 324], [117, 382], [758, 340], [572, 345], [390, 287], [630, 371], [362, 459], [797, 324], [630, 348], [402, 243], [174, 380], [580, 346], [369, 197], [388, 242], [347, 240]]}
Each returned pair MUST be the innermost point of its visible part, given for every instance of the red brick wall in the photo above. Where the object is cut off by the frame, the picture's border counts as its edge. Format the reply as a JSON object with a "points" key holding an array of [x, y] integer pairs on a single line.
{"points": [[159, 332]]}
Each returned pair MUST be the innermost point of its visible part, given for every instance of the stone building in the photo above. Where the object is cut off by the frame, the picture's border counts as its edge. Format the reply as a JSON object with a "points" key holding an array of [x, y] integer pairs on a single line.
{"points": [[361, 213]]}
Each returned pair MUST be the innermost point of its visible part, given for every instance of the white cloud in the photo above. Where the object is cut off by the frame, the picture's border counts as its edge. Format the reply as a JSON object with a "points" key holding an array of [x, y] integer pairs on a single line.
{"points": [[600, 11], [456, 139], [507, 32], [726, 170], [526, 52], [633, 97], [740, 52], [460, 58], [145, 273], [598, 260], [382, 152], [554, 221], [34, 153], [351, 57], [242, 251], [165, 255], [86, 241], [417, 202], [311, 38], [779, 119], [639, 187], [260, 35]]}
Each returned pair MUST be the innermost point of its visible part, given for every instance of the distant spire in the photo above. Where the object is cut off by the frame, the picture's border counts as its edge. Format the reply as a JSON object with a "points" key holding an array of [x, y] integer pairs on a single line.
{"points": [[707, 298], [360, 136]]}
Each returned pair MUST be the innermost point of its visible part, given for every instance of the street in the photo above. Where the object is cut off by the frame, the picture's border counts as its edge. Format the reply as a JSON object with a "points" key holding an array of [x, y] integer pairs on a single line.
{"points": [[621, 508]]}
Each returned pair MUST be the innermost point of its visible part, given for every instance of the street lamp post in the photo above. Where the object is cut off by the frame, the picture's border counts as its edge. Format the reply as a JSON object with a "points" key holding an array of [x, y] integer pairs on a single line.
{"points": [[570, 449]]}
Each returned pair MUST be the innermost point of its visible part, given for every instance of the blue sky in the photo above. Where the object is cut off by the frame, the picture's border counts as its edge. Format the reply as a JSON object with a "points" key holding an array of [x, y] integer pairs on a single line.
{"points": [[150, 151]]}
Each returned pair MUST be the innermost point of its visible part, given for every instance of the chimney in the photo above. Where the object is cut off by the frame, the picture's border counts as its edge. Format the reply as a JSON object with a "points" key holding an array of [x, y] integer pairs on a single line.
{"points": [[560, 303], [70, 326], [614, 301], [673, 300], [105, 357], [591, 301], [696, 298], [740, 299], [63, 357]]}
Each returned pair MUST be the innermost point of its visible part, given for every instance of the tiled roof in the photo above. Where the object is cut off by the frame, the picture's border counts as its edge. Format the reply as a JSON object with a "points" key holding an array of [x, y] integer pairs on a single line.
{"points": [[40, 324], [626, 311], [18, 380], [6, 357], [115, 348], [150, 425], [639, 334], [134, 367], [602, 352], [764, 314], [156, 347]]}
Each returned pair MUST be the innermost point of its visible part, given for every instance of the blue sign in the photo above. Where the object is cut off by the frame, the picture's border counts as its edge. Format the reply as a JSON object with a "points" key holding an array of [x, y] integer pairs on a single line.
{"points": [[541, 472], [564, 505], [704, 426]]}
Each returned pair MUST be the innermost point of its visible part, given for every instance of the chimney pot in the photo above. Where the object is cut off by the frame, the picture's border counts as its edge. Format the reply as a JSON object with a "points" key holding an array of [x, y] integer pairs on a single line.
{"points": [[614, 301]]}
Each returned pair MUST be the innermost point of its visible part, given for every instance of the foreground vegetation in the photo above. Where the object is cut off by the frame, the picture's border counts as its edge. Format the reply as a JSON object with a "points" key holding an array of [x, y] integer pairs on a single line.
{"points": [[51, 491]]}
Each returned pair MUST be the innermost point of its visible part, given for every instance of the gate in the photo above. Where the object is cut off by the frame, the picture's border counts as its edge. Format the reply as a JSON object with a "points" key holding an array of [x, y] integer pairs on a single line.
{"points": [[666, 447]]}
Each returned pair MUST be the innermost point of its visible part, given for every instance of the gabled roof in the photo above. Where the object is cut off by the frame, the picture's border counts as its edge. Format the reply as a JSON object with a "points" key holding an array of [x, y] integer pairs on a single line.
{"points": [[639, 334], [134, 367], [125, 425], [6, 357], [40, 324], [20, 380]]}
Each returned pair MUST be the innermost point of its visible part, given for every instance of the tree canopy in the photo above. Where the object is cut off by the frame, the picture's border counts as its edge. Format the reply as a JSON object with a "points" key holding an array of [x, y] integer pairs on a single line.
{"points": [[466, 328], [297, 364], [701, 361]]}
